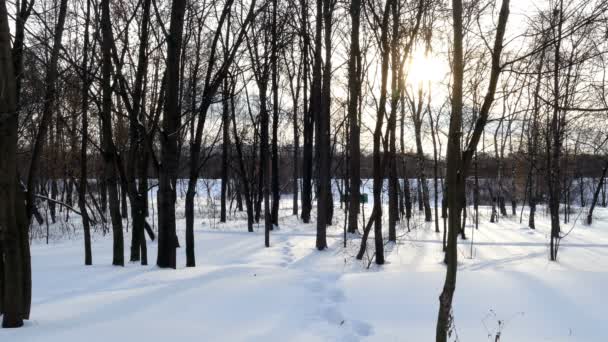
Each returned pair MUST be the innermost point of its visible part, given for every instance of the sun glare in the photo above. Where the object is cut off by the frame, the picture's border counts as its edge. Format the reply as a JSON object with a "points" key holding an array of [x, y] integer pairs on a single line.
{"points": [[423, 69]]}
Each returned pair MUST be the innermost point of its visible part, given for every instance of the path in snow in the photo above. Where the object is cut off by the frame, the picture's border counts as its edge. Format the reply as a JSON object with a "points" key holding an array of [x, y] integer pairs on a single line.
{"points": [[241, 291]]}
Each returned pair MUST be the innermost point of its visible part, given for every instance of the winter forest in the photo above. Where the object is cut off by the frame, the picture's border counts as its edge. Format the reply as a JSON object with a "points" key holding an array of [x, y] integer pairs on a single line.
{"points": [[303, 170]]}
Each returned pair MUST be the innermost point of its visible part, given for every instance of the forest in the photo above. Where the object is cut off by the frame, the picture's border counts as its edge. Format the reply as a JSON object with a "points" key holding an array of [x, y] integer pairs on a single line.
{"points": [[317, 170]]}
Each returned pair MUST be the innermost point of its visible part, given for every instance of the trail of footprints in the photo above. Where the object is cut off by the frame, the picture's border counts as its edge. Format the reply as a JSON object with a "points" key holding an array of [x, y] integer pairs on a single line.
{"points": [[329, 298], [287, 254]]}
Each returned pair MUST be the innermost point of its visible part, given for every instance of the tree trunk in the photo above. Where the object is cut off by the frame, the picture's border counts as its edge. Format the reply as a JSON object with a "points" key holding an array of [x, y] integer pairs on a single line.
{"points": [[596, 194], [15, 261], [393, 183], [458, 163], [82, 189], [308, 115], [377, 163], [354, 91], [167, 238], [109, 149], [274, 61], [317, 107], [225, 150]]}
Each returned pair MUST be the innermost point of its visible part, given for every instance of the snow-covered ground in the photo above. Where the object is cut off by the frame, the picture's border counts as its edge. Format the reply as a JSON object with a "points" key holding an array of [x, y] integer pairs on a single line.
{"points": [[242, 291]]}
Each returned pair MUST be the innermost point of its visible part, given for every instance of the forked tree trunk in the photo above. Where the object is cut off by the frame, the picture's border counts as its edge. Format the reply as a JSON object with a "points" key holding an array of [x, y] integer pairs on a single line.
{"points": [[459, 162]]}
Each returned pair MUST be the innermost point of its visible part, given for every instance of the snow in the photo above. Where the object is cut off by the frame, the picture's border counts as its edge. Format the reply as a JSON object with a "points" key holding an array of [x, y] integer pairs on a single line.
{"points": [[241, 291]]}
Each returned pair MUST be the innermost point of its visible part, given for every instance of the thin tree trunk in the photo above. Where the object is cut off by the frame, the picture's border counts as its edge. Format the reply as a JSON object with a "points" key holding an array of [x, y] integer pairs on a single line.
{"points": [[393, 184], [354, 90], [225, 150], [596, 194], [274, 61], [82, 189]]}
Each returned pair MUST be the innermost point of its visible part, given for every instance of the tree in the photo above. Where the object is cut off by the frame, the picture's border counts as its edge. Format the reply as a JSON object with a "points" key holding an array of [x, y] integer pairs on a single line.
{"points": [[109, 149], [82, 188], [15, 284], [354, 91], [322, 110], [308, 114], [167, 238], [458, 162]]}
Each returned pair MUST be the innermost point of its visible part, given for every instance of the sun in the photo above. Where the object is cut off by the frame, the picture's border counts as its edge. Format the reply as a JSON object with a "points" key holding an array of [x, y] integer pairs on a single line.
{"points": [[424, 68]]}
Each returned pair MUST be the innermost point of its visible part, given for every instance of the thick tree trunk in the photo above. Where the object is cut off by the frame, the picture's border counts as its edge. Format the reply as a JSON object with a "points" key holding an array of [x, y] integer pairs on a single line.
{"points": [[167, 238], [137, 163], [316, 109], [15, 261], [109, 149], [308, 116]]}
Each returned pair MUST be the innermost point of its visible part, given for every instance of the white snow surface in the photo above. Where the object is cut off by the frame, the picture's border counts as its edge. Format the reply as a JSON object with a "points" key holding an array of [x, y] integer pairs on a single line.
{"points": [[242, 291]]}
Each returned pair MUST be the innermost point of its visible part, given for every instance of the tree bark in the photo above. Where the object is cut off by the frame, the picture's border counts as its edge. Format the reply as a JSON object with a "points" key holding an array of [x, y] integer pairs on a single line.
{"points": [[459, 162], [354, 91], [308, 115], [15, 261], [274, 61], [82, 189], [167, 238], [596, 194], [109, 149]]}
